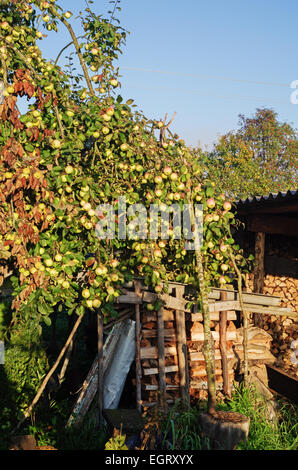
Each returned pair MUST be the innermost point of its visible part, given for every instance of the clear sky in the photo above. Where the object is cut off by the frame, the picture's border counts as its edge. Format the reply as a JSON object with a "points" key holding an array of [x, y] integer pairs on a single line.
{"points": [[208, 61]]}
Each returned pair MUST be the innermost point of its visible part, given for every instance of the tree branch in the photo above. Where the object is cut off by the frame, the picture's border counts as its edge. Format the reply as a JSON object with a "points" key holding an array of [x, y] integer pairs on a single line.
{"points": [[50, 373], [77, 46]]}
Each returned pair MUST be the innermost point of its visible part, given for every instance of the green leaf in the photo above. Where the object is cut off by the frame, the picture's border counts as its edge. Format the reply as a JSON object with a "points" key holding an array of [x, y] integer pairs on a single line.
{"points": [[47, 321]]}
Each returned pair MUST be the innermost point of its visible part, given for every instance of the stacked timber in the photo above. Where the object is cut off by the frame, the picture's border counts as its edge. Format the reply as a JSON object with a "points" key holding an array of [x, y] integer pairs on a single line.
{"points": [[258, 346], [171, 359], [282, 328], [150, 357], [198, 374]]}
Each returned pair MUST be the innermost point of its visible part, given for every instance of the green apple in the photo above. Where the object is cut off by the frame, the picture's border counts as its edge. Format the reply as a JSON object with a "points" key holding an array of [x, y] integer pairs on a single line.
{"points": [[56, 144], [158, 288], [86, 293], [174, 176], [157, 253], [124, 147], [96, 303], [48, 262], [4, 25]]}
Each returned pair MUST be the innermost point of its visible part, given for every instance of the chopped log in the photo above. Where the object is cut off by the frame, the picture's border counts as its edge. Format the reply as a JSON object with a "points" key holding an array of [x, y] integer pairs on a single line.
{"points": [[202, 372], [214, 316], [224, 429], [199, 356], [231, 336], [169, 333], [152, 353]]}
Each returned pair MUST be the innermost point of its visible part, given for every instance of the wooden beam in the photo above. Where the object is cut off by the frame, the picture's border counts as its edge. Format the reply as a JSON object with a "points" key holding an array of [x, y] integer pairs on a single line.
{"points": [[161, 359], [182, 351], [275, 224], [223, 347], [259, 272]]}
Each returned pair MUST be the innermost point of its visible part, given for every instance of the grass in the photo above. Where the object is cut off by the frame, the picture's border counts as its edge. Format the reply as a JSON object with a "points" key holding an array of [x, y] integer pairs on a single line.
{"points": [[263, 434], [181, 428]]}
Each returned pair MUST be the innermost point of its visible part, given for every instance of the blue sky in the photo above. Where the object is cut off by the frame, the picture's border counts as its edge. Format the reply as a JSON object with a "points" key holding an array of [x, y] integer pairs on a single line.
{"points": [[208, 61]]}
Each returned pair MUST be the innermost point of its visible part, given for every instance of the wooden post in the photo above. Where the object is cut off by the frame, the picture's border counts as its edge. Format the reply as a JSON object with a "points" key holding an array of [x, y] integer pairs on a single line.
{"points": [[100, 366], [161, 359], [182, 351], [259, 269], [138, 350], [223, 347]]}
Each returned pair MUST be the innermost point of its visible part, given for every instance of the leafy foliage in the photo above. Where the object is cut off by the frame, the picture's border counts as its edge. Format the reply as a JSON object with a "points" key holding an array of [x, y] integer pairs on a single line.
{"points": [[260, 157], [74, 149]]}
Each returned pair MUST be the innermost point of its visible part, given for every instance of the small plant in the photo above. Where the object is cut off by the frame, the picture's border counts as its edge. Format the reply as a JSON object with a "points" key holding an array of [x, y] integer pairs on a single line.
{"points": [[116, 443], [181, 430]]}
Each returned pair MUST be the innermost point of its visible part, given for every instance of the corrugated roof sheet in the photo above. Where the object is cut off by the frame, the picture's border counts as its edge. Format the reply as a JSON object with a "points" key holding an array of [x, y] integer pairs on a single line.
{"points": [[281, 196]]}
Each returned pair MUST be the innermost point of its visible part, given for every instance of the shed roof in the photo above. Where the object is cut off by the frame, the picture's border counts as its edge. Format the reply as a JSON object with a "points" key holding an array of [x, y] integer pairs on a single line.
{"points": [[275, 213], [272, 203]]}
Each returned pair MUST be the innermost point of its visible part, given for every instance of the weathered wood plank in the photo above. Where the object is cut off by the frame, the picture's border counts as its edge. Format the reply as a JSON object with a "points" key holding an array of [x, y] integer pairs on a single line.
{"points": [[182, 351], [248, 297], [161, 358], [223, 336], [279, 311], [154, 370], [155, 387]]}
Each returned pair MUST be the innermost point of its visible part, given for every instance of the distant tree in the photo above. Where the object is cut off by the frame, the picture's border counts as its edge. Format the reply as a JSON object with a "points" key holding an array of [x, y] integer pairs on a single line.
{"points": [[260, 157]]}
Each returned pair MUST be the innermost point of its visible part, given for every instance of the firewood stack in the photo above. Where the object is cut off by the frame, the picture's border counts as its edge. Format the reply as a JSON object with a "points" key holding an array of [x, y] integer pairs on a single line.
{"points": [[283, 329], [149, 357], [164, 337], [258, 346], [198, 375]]}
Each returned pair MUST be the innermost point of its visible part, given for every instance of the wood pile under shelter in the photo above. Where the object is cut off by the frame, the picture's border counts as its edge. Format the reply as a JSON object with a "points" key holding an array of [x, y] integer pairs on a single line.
{"points": [[271, 235], [169, 359]]}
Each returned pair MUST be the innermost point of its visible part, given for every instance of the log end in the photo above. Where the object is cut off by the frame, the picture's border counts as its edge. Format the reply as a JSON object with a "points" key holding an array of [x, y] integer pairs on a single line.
{"points": [[224, 429]]}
